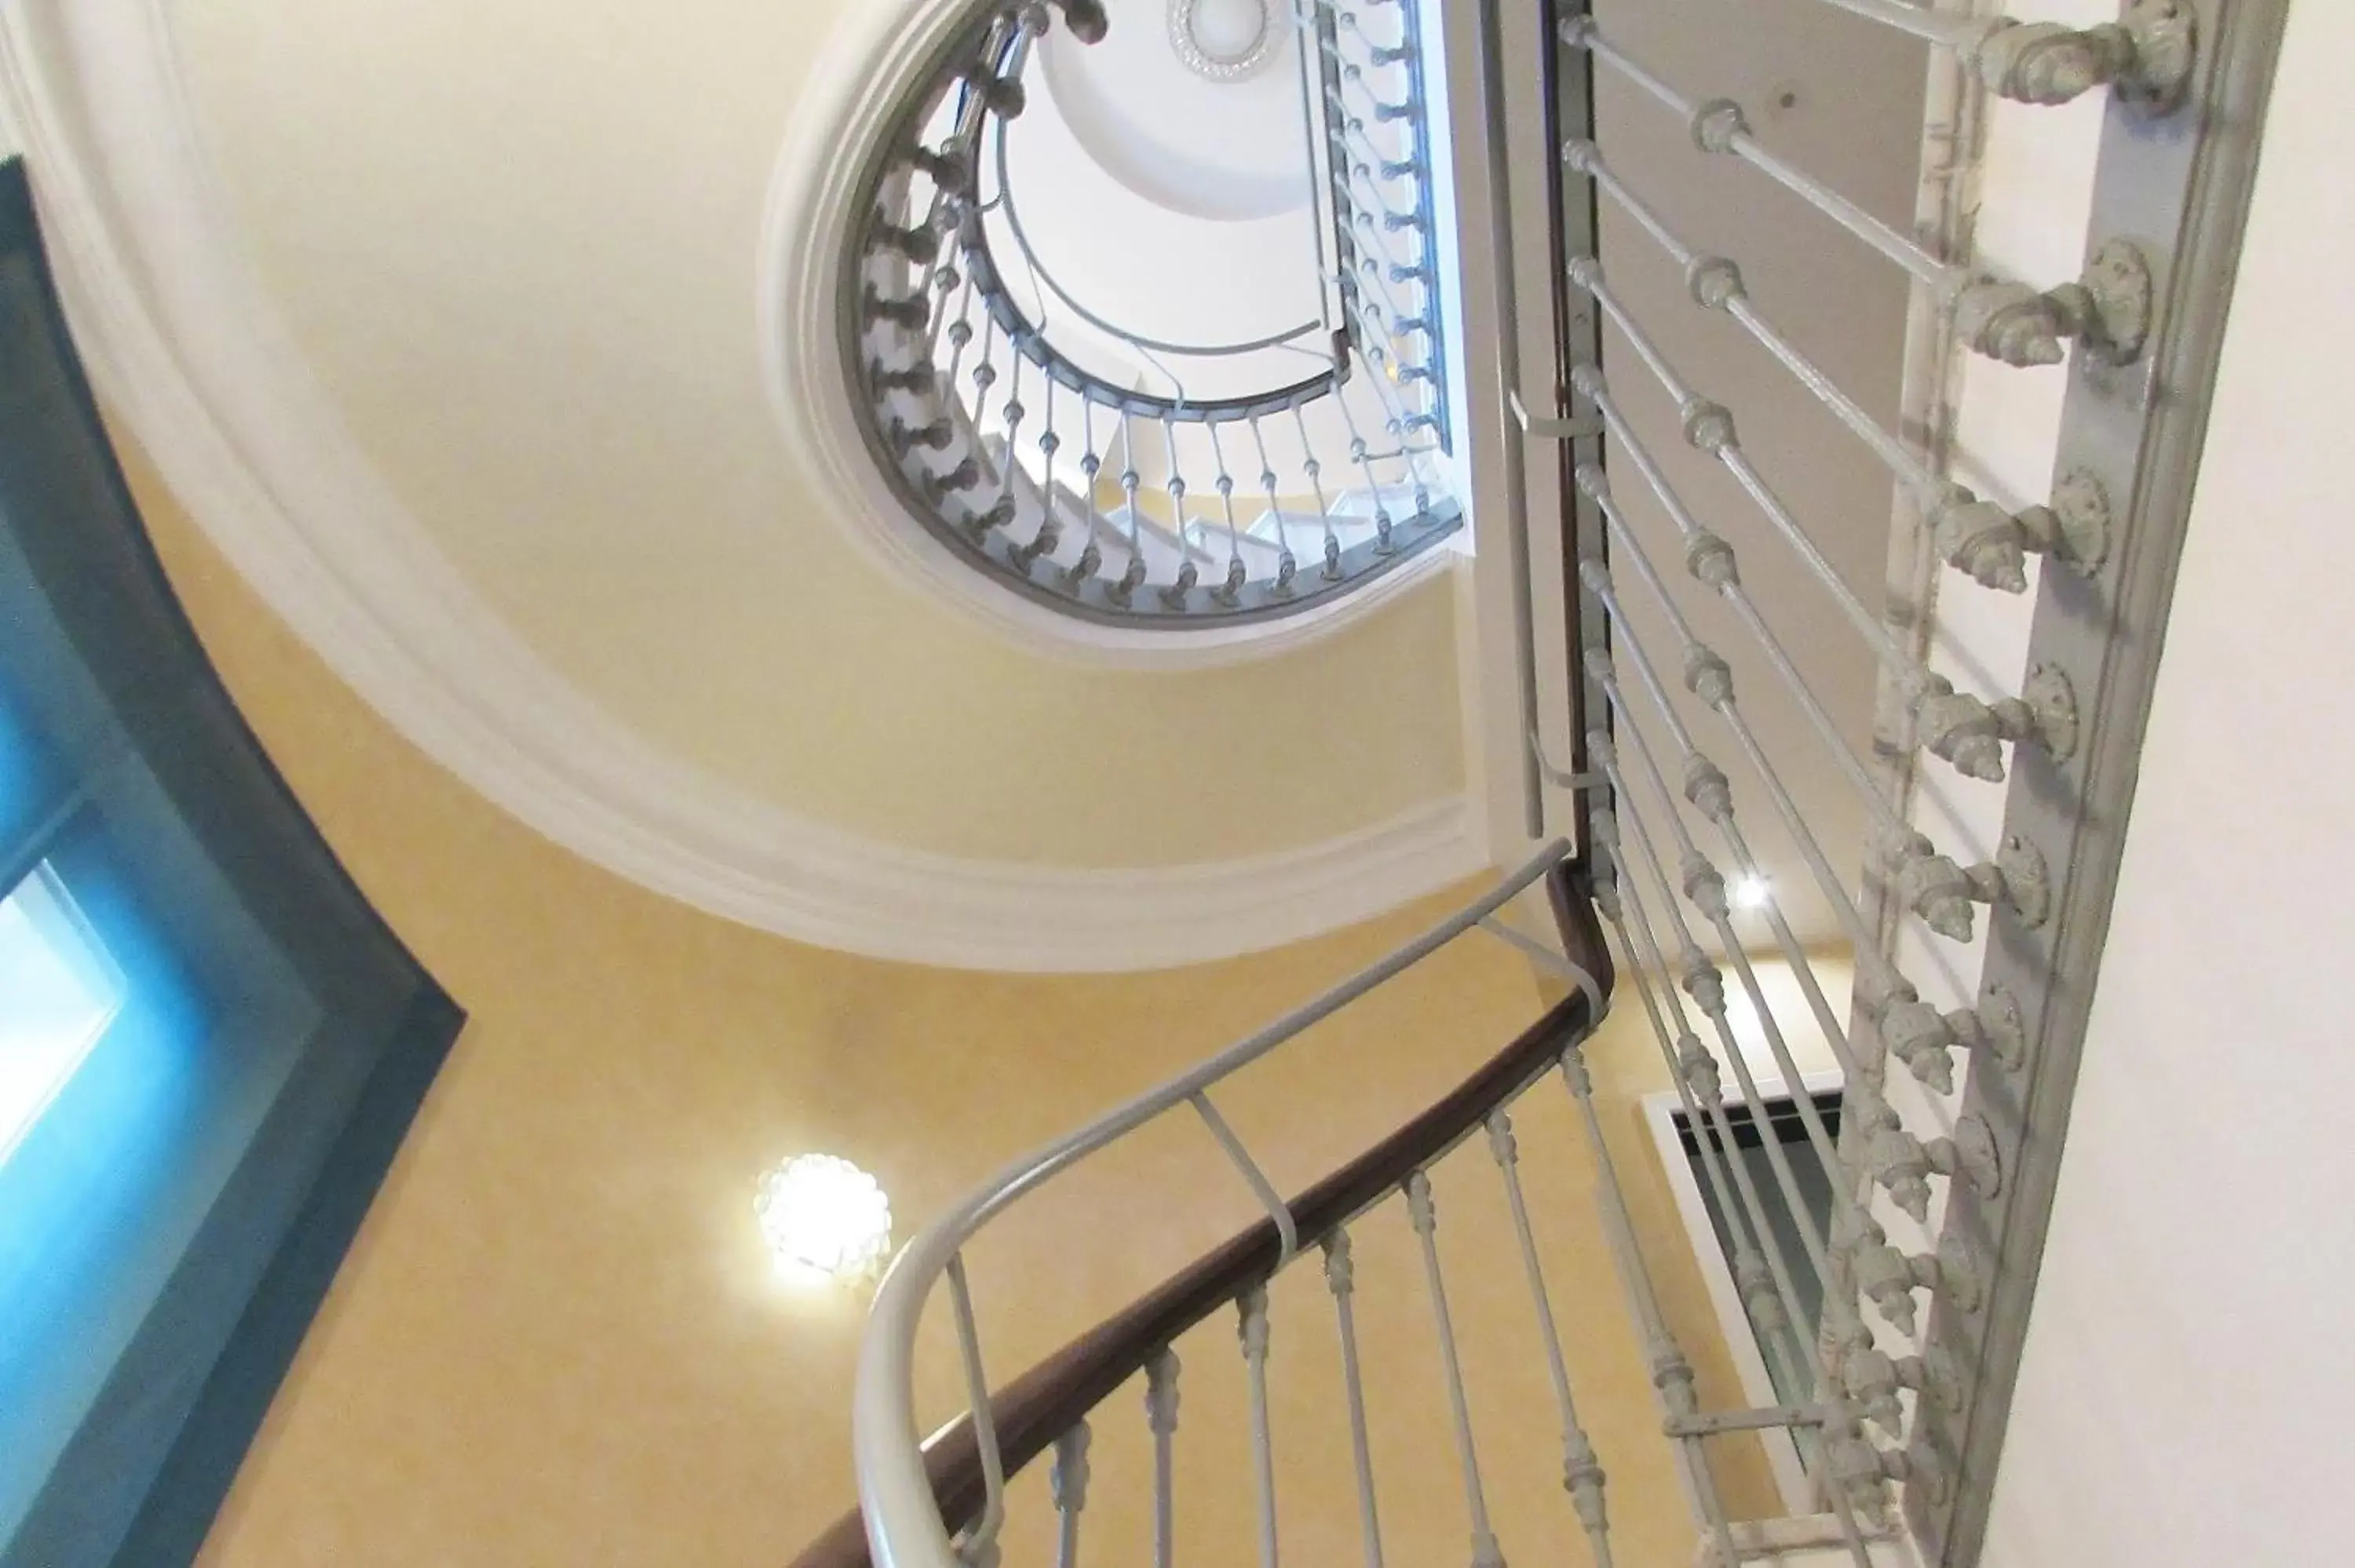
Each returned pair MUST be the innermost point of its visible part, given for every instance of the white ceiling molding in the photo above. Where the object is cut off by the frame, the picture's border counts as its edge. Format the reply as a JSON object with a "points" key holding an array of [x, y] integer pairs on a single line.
{"points": [[187, 348], [847, 110]]}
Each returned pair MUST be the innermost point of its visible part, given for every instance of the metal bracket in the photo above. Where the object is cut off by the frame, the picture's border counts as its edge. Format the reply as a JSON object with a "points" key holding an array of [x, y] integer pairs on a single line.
{"points": [[2166, 51], [1971, 1154], [1559, 964], [1286, 1232], [2017, 876], [1552, 427], [2076, 529], [1709, 1423], [2002, 1032], [2045, 712], [2111, 306]]}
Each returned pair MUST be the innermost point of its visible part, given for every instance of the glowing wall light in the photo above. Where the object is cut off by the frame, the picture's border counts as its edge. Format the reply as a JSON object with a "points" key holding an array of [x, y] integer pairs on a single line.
{"points": [[824, 1218]]}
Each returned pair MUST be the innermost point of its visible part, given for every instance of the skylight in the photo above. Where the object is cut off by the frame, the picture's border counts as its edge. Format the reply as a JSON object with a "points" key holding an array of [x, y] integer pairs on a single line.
{"points": [[59, 991]]}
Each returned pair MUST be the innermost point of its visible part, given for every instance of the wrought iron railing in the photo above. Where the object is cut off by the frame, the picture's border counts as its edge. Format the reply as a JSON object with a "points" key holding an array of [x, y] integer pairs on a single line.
{"points": [[1941, 1174], [1141, 480], [1908, 1282]]}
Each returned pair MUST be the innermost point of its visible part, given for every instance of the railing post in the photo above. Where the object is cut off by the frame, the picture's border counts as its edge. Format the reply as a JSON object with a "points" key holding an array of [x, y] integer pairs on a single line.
{"points": [[1582, 1473], [1672, 1375], [1341, 1277], [1161, 1419], [1252, 1329], [1067, 1485], [1424, 1217]]}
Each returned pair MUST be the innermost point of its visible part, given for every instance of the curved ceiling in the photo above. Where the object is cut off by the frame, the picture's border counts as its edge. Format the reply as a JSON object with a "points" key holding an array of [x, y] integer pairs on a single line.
{"points": [[461, 292], [1193, 104]]}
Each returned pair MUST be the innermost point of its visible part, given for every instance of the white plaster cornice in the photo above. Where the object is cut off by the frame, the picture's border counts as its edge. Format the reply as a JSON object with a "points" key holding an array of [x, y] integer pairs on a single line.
{"points": [[847, 108], [187, 350]]}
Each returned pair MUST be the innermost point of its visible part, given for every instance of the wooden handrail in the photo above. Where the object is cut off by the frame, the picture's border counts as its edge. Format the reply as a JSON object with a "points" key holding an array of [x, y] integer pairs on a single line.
{"points": [[1050, 1398]]}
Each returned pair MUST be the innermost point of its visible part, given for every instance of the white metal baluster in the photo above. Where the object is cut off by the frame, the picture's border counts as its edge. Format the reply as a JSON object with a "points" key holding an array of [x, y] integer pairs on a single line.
{"points": [[1133, 578], [1358, 454], [1582, 1473], [1709, 427], [959, 334], [979, 1546], [1686, 1064], [1066, 1483], [1707, 988], [1672, 1375], [1341, 1278], [1014, 412], [1689, 1059], [1715, 565], [1485, 1554], [1161, 1420], [1963, 730], [1287, 566], [1314, 471], [1253, 1328], [1726, 132], [1694, 1072], [1706, 785], [1706, 891], [1971, 535], [1225, 484], [1925, 1034], [2007, 321], [1708, 991], [1189, 573]]}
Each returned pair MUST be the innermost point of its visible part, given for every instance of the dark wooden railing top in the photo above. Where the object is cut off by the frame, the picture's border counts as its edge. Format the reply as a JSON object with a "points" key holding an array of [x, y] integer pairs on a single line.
{"points": [[1053, 1396]]}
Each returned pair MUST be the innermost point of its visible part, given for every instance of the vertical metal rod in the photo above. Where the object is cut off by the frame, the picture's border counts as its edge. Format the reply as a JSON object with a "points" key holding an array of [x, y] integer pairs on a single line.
{"points": [[1672, 1375], [1582, 1475], [1508, 371], [1690, 1060], [1690, 533], [1341, 1277], [1816, 1369], [1738, 141], [1485, 1552], [1701, 1095], [1253, 1328], [1698, 974], [1161, 1420], [1737, 304], [1947, 30], [1694, 759], [1326, 213], [1726, 448], [980, 1542], [1706, 890], [1067, 1483]]}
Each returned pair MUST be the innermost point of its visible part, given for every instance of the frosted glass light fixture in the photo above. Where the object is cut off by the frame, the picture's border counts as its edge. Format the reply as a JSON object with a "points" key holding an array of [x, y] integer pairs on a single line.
{"points": [[1751, 892], [824, 1218]]}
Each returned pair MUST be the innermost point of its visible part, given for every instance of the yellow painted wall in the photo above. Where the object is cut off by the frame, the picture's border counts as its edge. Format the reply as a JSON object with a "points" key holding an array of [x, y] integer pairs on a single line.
{"points": [[558, 1340]]}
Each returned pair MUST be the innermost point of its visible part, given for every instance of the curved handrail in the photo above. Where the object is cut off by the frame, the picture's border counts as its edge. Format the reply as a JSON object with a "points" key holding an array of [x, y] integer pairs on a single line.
{"points": [[913, 1495]]}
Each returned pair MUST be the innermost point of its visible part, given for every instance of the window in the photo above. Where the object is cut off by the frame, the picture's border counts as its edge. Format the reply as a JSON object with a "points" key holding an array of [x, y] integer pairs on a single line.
{"points": [[210, 1047], [59, 991]]}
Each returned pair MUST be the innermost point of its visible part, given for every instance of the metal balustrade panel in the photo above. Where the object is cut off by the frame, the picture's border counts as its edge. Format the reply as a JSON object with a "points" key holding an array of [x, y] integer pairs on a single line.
{"points": [[1002, 409], [2178, 186]]}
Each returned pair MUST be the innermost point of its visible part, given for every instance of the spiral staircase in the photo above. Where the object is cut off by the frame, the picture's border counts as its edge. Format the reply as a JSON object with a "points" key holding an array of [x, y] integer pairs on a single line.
{"points": [[1200, 474], [1882, 1240]]}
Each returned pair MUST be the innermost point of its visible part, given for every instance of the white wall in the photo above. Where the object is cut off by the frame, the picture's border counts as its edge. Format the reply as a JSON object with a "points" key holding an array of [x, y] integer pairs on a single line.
{"points": [[2188, 1371]]}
